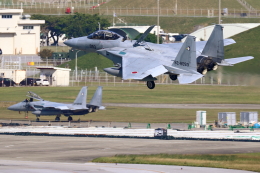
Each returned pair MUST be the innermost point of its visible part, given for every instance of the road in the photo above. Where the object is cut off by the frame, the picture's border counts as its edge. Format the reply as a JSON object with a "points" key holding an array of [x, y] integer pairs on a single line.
{"points": [[8, 166]]}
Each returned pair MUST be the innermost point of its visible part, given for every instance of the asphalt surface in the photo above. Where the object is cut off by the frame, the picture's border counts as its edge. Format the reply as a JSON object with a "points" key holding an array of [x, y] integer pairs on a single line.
{"points": [[188, 106], [41, 167], [84, 149]]}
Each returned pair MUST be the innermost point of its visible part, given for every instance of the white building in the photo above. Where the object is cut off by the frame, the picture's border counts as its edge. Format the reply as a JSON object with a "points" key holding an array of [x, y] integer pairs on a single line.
{"points": [[16, 75], [19, 34], [56, 76]]}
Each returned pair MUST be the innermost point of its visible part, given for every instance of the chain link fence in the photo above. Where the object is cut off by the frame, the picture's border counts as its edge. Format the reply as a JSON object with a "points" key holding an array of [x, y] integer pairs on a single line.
{"points": [[96, 7]]}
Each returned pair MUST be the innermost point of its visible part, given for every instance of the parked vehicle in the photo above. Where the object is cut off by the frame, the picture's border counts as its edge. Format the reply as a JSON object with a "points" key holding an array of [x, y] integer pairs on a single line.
{"points": [[28, 82], [4, 82], [42, 82]]}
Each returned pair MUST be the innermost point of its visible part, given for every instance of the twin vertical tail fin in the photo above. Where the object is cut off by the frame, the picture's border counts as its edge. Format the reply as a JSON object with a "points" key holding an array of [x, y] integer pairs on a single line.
{"points": [[215, 44], [185, 63], [97, 98], [81, 98], [186, 58]]}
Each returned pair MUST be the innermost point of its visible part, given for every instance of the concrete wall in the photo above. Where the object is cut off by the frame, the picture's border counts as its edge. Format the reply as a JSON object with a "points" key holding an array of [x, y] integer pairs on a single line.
{"points": [[229, 30]]}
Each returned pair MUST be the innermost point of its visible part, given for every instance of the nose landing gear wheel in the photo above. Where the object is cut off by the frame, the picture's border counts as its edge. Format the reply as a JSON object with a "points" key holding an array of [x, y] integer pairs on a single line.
{"points": [[70, 118], [37, 119], [150, 84], [57, 119]]}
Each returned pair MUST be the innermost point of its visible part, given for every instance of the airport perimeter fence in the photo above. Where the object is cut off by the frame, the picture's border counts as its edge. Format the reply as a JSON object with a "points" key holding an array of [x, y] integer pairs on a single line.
{"points": [[95, 7], [97, 78], [90, 77]]}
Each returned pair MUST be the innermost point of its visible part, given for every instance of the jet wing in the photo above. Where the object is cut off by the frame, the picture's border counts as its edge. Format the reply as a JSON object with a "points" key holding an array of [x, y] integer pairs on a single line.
{"points": [[54, 105], [141, 67]]}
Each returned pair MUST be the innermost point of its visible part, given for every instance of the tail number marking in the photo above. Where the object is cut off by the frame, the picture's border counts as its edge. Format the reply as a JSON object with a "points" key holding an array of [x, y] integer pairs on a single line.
{"points": [[181, 63]]}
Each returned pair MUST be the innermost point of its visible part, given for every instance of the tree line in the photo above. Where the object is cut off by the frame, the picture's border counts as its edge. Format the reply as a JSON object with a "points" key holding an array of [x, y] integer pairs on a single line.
{"points": [[76, 25]]}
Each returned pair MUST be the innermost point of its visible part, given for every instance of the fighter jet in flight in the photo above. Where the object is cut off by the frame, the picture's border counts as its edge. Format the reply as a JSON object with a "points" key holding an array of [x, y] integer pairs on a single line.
{"points": [[47, 108], [210, 54], [144, 64]]}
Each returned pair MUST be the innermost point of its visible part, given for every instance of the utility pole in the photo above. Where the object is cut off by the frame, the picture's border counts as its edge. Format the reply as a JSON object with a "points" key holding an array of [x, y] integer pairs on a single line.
{"points": [[219, 12], [158, 22]]}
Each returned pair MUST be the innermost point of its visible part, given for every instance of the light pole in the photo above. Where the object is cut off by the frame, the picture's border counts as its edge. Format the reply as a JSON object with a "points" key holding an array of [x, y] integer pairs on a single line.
{"points": [[158, 21], [98, 26], [219, 10], [76, 65]]}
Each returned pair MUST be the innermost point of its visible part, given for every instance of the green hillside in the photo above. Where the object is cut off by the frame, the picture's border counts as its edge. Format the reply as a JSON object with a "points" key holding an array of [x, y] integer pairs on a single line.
{"points": [[182, 4], [89, 62], [247, 44], [254, 3], [181, 24]]}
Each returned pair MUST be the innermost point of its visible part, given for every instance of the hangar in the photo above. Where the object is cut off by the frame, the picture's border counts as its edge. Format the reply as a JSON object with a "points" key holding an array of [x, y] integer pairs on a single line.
{"points": [[19, 34]]}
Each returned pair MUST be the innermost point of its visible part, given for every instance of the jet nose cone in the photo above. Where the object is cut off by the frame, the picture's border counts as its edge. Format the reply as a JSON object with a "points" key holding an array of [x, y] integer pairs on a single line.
{"points": [[71, 43], [11, 107]]}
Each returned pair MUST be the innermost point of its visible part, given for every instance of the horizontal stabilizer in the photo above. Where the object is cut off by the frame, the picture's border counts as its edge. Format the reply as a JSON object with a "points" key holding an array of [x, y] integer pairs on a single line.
{"points": [[188, 78], [102, 108], [232, 61]]}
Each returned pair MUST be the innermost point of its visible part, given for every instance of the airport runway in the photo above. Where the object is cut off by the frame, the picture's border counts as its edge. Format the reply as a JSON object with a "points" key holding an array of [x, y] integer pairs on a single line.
{"points": [[188, 106], [84, 149], [9, 166]]}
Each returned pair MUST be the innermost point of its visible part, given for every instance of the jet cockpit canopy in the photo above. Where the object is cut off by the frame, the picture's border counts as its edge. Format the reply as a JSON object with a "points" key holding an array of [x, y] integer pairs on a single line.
{"points": [[104, 35]]}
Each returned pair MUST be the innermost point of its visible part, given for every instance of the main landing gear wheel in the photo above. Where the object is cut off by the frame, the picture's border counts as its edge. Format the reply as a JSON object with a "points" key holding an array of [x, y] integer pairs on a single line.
{"points": [[70, 118], [37, 119], [150, 84], [173, 77], [57, 119]]}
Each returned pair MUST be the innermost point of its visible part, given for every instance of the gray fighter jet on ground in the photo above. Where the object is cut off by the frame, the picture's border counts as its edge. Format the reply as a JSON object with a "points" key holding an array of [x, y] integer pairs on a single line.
{"points": [[210, 54], [47, 108]]}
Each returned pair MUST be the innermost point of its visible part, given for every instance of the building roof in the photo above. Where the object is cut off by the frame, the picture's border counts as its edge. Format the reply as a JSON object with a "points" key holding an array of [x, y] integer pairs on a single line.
{"points": [[53, 68]]}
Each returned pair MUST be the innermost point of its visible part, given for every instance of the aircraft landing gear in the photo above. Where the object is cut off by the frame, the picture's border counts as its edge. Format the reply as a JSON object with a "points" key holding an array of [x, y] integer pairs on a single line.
{"points": [[150, 84], [37, 119], [70, 118], [57, 118], [173, 77]]}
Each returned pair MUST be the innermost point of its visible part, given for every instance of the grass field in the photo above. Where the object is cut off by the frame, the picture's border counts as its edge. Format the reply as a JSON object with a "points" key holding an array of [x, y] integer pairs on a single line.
{"points": [[138, 94], [249, 162]]}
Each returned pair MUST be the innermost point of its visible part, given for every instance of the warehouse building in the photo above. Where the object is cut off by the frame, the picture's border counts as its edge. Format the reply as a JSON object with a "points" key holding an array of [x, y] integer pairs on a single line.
{"points": [[19, 34]]}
